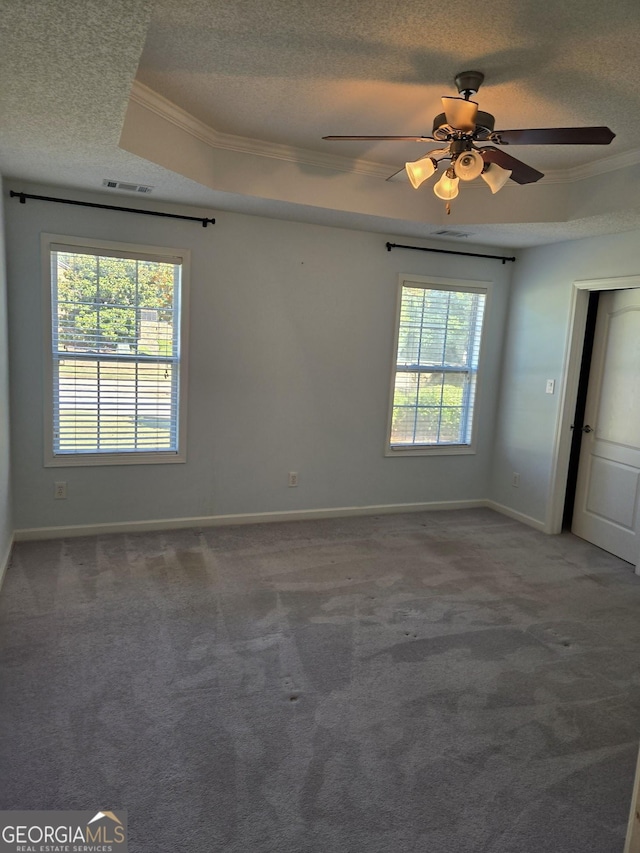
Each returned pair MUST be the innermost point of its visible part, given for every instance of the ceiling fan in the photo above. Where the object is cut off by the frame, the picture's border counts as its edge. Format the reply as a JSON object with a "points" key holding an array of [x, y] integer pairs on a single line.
{"points": [[462, 125]]}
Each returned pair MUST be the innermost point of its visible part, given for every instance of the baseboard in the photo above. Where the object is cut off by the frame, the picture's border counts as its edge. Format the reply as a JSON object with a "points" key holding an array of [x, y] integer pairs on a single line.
{"points": [[518, 516], [34, 533], [4, 560]]}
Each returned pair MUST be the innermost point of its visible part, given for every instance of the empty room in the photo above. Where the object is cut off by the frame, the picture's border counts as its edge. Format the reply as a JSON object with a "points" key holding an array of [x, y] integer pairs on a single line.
{"points": [[319, 427]]}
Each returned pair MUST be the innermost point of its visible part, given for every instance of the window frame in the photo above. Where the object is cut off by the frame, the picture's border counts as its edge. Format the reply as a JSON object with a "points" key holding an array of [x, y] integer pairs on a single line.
{"points": [[133, 251], [437, 283]]}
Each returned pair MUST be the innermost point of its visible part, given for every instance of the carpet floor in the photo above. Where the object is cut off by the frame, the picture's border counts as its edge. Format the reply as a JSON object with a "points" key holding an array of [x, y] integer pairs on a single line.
{"points": [[448, 682]]}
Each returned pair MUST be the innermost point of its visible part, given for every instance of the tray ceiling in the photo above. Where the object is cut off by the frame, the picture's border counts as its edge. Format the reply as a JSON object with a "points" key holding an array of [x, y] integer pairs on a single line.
{"points": [[264, 80]]}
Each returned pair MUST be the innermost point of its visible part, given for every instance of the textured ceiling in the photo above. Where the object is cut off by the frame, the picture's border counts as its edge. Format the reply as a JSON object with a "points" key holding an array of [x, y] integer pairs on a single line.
{"points": [[291, 71], [296, 71]]}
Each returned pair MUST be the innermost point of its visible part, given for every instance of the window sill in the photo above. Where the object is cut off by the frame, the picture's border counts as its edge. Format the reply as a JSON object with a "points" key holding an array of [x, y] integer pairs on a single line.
{"points": [[76, 460], [431, 450]]}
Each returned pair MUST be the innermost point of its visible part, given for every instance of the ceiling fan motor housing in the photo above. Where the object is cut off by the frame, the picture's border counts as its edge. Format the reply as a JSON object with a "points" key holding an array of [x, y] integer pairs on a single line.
{"points": [[485, 124]]}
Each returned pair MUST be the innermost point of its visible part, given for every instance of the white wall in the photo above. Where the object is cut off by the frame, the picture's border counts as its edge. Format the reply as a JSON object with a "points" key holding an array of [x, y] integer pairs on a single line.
{"points": [[534, 352], [290, 358], [6, 523]]}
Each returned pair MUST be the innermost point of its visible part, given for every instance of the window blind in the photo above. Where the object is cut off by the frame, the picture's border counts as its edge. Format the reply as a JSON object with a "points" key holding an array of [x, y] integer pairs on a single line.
{"points": [[115, 351], [436, 367]]}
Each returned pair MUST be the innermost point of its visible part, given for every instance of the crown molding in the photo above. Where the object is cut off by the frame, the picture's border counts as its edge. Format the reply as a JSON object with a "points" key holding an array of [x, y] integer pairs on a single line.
{"points": [[147, 98], [592, 170]]}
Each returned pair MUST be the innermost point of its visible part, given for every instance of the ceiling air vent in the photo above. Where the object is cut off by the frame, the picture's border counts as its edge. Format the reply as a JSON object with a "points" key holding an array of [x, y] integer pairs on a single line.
{"points": [[446, 233], [122, 185]]}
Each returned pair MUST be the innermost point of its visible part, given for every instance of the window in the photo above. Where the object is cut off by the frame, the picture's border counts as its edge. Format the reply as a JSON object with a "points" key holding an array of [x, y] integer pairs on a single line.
{"points": [[439, 329], [115, 372]]}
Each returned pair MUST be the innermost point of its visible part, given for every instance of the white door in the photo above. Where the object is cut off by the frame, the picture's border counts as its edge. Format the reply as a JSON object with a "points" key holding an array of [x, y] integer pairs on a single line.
{"points": [[607, 506]]}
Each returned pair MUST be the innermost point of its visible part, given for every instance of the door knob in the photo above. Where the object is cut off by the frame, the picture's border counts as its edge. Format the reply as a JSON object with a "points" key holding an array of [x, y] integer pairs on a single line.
{"points": [[587, 428]]}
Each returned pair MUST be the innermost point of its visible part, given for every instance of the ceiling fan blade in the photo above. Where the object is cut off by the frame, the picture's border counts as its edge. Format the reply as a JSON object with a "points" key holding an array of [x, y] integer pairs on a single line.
{"points": [[520, 172], [388, 138], [555, 136], [460, 113], [397, 177]]}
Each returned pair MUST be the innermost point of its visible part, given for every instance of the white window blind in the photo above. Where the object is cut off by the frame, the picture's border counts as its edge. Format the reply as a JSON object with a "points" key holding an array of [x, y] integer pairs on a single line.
{"points": [[115, 352], [438, 350]]}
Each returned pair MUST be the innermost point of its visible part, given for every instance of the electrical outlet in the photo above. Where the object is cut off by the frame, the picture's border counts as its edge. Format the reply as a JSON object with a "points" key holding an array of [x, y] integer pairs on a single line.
{"points": [[60, 491], [293, 478], [515, 479]]}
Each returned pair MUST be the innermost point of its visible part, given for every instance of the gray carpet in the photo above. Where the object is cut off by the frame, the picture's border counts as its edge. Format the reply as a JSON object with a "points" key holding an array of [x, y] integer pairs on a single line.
{"points": [[424, 683]]}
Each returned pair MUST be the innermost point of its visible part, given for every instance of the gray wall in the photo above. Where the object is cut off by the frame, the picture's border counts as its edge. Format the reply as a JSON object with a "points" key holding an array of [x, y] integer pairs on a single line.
{"points": [[6, 523], [290, 357], [535, 351]]}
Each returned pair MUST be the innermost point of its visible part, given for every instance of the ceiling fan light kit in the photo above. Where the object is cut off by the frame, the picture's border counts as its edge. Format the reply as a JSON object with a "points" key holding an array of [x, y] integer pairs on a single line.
{"points": [[468, 165], [495, 176], [422, 169], [462, 125], [419, 170], [447, 187]]}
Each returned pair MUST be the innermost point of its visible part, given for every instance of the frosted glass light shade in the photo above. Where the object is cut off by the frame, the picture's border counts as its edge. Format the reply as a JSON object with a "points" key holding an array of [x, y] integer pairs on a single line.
{"points": [[447, 188], [460, 113], [420, 170], [468, 165], [495, 177]]}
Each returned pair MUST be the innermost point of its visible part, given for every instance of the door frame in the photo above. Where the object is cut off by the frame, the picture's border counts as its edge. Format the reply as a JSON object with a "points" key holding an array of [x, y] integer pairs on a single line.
{"points": [[569, 384]]}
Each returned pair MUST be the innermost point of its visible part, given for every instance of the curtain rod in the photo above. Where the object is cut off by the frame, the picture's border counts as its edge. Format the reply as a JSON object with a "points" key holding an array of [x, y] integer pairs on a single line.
{"points": [[391, 246], [24, 196]]}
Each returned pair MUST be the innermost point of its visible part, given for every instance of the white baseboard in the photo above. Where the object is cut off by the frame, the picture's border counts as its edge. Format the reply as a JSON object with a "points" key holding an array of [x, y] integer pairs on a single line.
{"points": [[33, 533], [518, 516], [4, 560]]}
